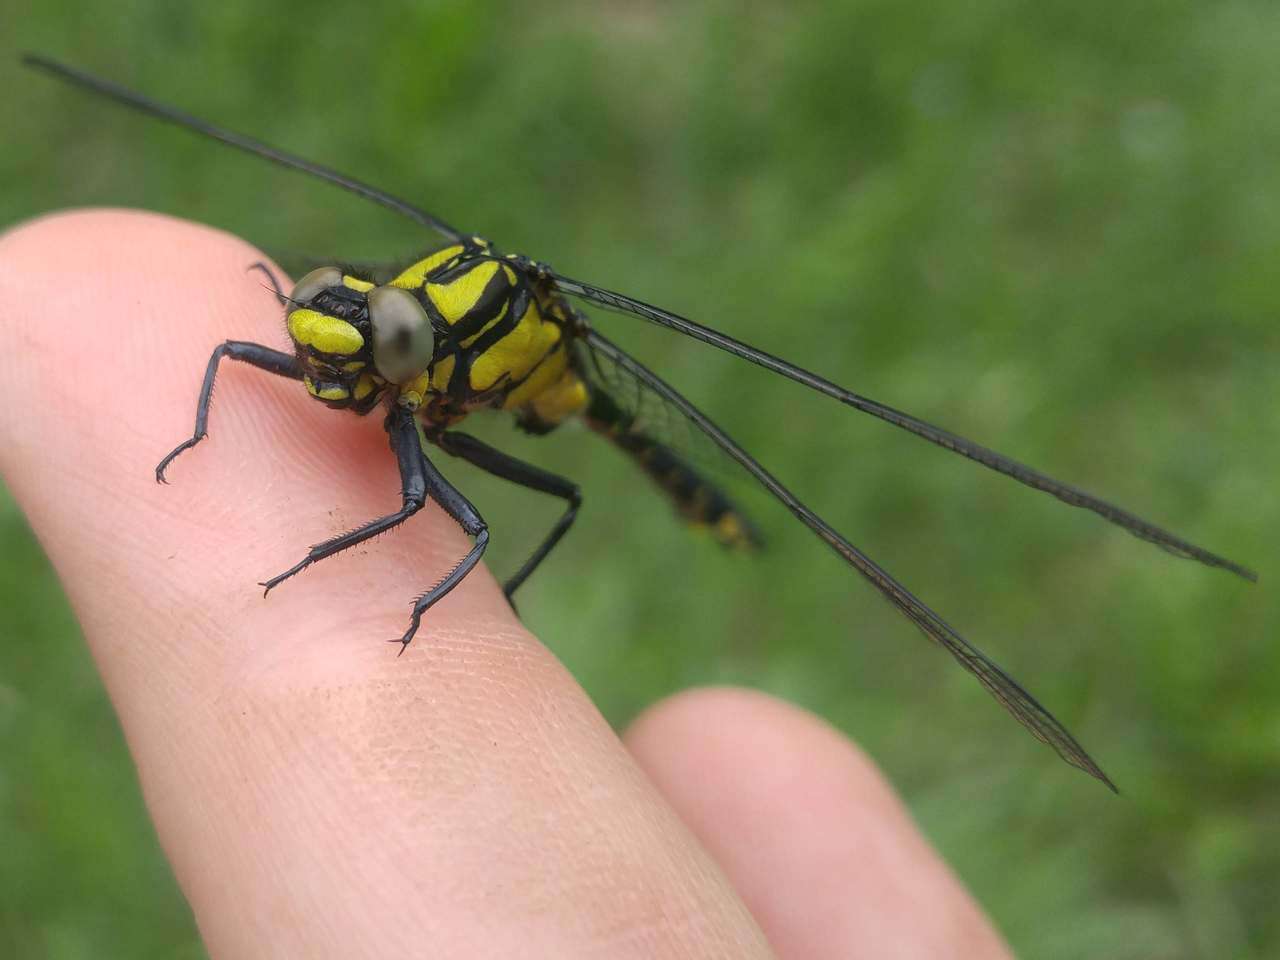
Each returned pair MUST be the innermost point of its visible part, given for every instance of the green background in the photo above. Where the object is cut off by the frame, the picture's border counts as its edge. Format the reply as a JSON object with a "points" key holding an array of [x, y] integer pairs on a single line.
{"points": [[1051, 226]]}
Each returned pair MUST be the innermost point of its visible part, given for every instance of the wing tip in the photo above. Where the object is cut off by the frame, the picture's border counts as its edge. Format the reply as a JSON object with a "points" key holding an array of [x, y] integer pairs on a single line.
{"points": [[1095, 771], [1243, 572]]}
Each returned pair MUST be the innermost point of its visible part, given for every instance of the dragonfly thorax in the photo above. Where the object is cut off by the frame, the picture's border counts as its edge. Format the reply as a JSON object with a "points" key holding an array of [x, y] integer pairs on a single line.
{"points": [[459, 329]]}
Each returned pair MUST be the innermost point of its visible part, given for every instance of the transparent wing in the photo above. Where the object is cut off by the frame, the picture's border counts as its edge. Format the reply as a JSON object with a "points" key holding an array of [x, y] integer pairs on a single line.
{"points": [[943, 438], [652, 414], [1010, 694], [161, 111]]}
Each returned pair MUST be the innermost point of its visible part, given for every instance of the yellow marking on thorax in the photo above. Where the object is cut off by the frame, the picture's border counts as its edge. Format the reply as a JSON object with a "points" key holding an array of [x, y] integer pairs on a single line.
{"points": [[412, 277], [552, 403], [456, 298], [355, 283], [441, 374], [324, 333], [517, 353], [485, 329]]}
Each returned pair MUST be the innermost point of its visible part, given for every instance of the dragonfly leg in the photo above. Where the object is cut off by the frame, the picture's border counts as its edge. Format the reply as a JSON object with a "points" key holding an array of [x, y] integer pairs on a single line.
{"points": [[527, 475], [414, 488], [461, 510], [254, 354]]}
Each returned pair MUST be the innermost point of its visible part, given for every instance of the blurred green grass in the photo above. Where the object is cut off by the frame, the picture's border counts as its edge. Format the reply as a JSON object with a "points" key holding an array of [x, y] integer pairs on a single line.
{"points": [[1050, 226]]}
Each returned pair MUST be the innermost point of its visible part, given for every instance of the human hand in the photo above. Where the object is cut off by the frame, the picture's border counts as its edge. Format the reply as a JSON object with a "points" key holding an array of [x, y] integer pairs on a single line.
{"points": [[319, 796]]}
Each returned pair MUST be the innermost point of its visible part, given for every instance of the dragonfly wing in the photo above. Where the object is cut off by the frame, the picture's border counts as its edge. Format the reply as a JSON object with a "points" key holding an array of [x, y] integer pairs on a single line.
{"points": [[677, 456], [1010, 694], [943, 438]]}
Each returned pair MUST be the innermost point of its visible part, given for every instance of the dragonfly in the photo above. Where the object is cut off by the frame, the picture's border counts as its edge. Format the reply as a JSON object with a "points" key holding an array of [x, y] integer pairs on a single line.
{"points": [[465, 327]]}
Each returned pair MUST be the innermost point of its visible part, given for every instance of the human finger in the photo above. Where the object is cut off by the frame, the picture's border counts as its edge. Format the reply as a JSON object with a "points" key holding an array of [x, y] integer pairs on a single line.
{"points": [[807, 829], [317, 795]]}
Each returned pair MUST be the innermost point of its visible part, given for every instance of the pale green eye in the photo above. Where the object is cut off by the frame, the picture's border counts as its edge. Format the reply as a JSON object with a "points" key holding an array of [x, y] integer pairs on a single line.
{"points": [[314, 284], [403, 341]]}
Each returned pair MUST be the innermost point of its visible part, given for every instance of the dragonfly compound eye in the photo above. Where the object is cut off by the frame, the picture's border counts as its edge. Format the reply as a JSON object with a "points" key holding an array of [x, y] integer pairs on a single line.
{"points": [[314, 284], [403, 341]]}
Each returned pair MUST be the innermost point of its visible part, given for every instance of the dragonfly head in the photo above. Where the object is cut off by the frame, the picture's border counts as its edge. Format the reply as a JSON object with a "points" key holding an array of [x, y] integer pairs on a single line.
{"points": [[357, 339]]}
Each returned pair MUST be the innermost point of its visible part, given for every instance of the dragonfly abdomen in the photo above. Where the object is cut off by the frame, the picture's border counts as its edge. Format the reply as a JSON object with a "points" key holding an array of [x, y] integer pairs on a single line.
{"points": [[699, 502]]}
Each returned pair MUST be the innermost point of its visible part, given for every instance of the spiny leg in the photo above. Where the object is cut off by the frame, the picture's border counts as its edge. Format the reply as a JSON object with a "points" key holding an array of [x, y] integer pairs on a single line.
{"points": [[254, 354], [275, 281], [403, 434], [460, 509], [507, 467]]}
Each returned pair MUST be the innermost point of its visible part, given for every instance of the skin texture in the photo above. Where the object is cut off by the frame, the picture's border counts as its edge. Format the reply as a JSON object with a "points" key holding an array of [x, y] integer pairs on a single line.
{"points": [[319, 796]]}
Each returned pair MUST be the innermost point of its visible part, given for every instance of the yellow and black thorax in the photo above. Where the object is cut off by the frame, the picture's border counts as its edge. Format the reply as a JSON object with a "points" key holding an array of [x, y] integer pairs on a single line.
{"points": [[460, 329]]}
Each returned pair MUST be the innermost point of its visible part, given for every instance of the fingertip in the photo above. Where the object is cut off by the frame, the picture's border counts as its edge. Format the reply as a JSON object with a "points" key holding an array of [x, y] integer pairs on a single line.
{"points": [[809, 831]]}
